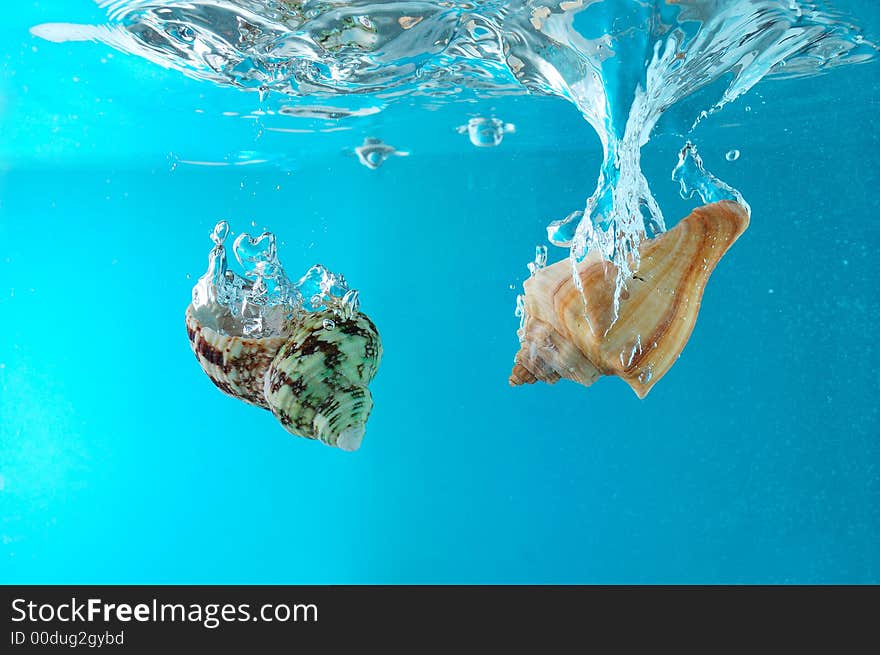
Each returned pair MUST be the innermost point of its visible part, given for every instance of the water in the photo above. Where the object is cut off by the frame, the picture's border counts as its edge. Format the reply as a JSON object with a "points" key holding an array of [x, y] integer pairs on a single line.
{"points": [[753, 460]]}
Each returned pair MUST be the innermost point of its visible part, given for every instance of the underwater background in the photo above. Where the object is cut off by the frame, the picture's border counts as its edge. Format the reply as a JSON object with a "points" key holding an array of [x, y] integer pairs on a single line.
{"points": [[755, 460]]}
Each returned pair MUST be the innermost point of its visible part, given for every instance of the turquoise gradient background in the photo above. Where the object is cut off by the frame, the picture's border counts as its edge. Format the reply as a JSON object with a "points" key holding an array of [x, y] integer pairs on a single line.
{"points": [[755, 460]]}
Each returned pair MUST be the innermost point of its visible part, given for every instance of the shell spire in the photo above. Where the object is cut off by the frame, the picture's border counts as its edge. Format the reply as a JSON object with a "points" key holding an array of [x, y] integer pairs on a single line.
{"points": [[317, 383], [571, 334]]}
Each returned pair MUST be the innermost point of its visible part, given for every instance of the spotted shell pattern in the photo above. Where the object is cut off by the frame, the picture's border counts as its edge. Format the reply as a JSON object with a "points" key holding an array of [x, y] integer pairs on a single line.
{"points": [[313, 379], [236, 365], [317, 384]]}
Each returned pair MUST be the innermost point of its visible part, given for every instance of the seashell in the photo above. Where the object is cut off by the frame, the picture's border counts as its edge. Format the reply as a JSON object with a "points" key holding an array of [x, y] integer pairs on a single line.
{"points": [[574, 335], [317, 383], [237, 365], [313, 376]]}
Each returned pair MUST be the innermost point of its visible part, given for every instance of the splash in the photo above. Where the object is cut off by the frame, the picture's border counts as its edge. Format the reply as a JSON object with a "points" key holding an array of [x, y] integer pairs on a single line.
{"points": [[263, 301], [622, 63], [692, 177]]}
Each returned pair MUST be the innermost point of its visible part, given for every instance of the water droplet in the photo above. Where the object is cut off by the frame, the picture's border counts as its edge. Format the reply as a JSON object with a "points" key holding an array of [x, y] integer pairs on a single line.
{"points": [[541, 256], [732, 155], [486, 132], [373, 153], [221, 231], [540, 260]]}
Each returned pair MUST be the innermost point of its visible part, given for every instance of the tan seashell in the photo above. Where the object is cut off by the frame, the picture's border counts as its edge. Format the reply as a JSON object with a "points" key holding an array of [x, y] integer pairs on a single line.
{"points": [[564, 336]]}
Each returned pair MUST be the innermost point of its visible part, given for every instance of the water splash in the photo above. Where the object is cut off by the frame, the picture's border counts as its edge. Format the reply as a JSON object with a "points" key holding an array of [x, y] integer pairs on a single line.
{"points": [[622, 63], [262, 301], [693, 178], [540, 260]]}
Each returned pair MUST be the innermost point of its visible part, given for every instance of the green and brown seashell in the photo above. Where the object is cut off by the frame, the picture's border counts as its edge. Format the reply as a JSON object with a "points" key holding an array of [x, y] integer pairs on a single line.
{"points": [[314, 378]]}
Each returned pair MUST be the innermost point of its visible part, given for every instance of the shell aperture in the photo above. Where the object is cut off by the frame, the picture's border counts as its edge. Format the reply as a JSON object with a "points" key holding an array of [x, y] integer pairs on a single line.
{"points": [[302, 350], [576, 334]]}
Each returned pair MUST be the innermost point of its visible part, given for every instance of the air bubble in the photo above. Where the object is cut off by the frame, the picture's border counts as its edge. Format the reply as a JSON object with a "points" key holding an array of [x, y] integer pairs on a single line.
{"points": [[329, 324], [486, 132], [732, 155]]}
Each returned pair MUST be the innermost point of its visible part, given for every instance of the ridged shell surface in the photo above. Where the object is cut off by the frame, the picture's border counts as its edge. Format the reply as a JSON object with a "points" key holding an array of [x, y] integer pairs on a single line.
{"points": [[236, 365], [574, 335], [317, 384]]}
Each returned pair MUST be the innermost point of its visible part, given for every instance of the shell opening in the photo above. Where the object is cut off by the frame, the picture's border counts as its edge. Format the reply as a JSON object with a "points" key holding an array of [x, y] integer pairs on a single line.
{"points": [[272, 321]]}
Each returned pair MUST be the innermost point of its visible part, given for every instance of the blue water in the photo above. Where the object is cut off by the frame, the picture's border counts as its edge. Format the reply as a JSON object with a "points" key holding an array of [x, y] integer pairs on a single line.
{"points": [[755, 460]]}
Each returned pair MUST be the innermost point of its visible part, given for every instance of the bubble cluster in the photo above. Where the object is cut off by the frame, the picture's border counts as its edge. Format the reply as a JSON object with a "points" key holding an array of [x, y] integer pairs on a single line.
{"points": [[262, 300]]}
